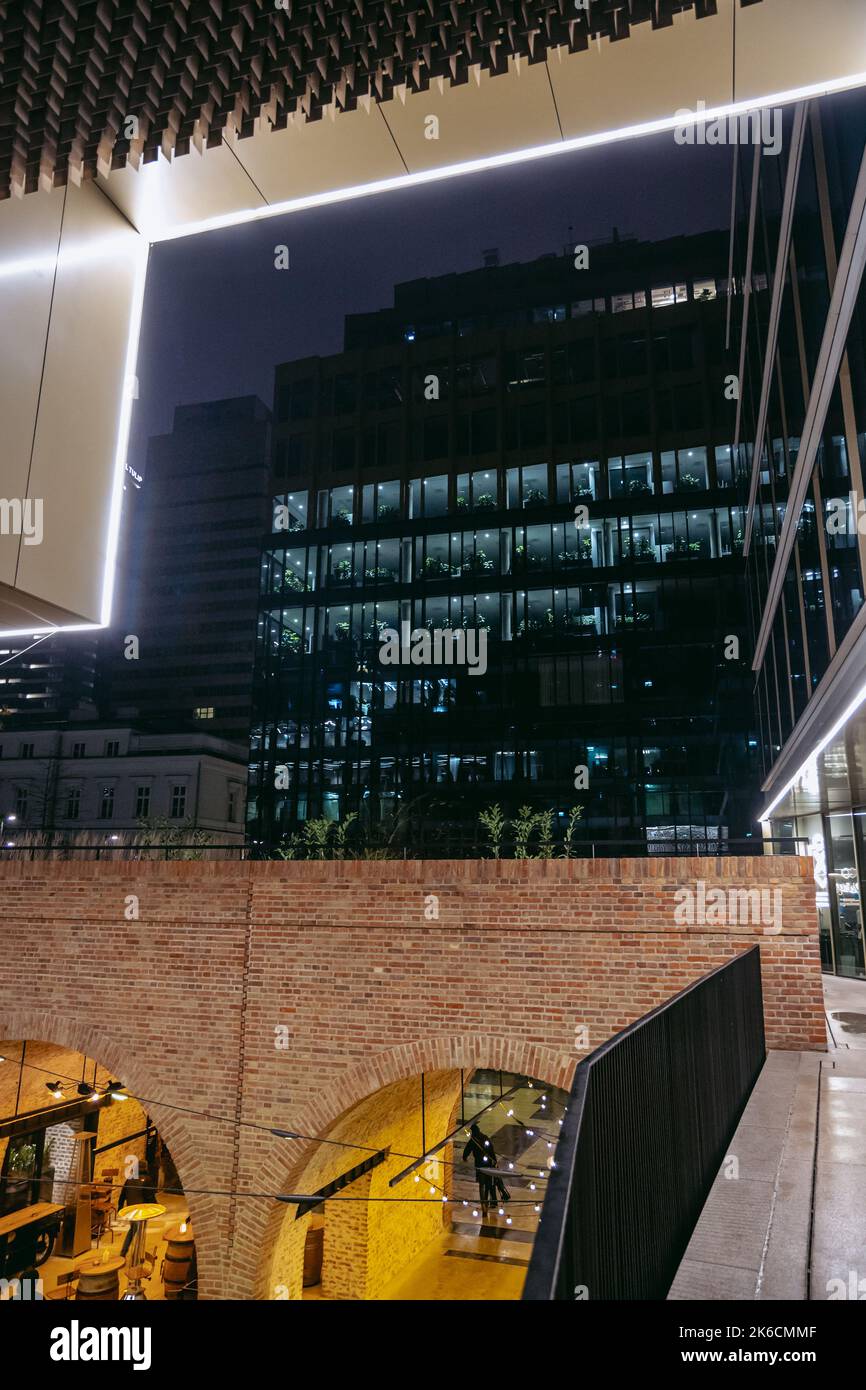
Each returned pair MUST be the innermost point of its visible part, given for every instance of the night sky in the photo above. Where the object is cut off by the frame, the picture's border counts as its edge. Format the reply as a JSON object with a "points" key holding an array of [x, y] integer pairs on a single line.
{"points": [[218, 316]]}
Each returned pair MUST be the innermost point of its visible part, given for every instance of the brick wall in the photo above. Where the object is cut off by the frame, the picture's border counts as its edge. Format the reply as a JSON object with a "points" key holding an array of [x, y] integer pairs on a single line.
{"points": [[281, 994]]}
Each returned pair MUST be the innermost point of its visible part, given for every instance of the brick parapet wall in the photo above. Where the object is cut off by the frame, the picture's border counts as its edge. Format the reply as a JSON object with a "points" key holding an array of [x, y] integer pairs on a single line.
{"points": [[185, 1002]]}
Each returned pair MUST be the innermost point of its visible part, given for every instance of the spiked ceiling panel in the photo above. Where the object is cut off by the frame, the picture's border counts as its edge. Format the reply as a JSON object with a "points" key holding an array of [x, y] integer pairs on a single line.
{"points": [[73, 72]]}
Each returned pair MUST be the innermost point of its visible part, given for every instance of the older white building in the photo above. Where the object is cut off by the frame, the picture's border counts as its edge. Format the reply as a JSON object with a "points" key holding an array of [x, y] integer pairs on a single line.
{"points": [[106, 780]]}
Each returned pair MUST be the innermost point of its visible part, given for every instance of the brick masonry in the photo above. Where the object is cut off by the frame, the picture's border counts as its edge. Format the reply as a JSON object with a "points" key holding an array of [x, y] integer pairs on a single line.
{"points": [[190, 1002]]}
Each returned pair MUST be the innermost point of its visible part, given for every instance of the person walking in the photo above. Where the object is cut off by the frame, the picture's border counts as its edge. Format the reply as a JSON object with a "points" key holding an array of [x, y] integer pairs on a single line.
{"points": [[483, 1155]]}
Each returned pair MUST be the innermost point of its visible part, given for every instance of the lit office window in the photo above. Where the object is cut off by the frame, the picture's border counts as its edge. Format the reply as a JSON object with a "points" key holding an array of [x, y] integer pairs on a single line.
{"points": [[203, 712]]}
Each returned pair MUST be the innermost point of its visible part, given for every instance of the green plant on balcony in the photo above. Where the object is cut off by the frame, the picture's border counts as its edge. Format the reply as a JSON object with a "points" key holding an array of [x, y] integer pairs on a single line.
{"points": [[343, 571], [690, 482], [462, 503], [533, 495], [527, 559], [639, 487], [385, 511], [639, 548], [683, 549], [341, 518], [485, 501], [379, 573], [293, 581], [435, 568], [633, 620], [478, 564], [290, 641], [579, 621], [342, 631], [580, 555]]}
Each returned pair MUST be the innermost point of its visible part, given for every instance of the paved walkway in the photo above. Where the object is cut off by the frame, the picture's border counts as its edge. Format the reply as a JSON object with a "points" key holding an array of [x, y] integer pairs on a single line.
{"points": [[787, 1217]]}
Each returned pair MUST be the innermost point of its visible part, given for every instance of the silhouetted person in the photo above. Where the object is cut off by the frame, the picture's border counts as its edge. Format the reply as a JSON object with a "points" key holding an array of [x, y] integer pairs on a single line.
{"points": [[483, 1155]]}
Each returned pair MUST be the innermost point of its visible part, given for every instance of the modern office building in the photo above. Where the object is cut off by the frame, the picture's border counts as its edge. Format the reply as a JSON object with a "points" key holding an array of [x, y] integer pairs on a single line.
{"points": [[800, 242], [188, 587], [106, 781], [427, 479]]}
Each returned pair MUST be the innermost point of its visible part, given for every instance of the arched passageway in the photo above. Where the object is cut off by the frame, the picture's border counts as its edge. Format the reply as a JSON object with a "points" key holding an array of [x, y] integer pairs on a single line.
{"points": [[91, 1202], [401, 1214]]}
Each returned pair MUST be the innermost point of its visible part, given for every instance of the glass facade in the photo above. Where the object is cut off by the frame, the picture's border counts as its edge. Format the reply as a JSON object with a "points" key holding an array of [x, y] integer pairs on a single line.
{"points": [[563, 485], [803, 604]]}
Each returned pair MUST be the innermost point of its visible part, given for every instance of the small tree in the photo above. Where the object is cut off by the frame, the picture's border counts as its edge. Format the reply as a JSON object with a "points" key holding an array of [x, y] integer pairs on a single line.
{"points": [[494, 824]]}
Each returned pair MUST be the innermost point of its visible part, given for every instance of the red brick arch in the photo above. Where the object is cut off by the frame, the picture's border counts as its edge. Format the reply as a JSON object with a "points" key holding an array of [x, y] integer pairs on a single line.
{"points": [[39, 1026], [466, 1051]]}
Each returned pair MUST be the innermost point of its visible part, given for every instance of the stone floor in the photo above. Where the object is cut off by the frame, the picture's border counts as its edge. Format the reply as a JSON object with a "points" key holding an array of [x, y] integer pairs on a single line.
{"points": [[787, 1220]]}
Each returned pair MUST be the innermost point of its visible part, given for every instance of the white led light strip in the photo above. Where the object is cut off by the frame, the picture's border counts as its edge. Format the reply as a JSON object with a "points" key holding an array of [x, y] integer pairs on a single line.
{"points": [[676, 121]]}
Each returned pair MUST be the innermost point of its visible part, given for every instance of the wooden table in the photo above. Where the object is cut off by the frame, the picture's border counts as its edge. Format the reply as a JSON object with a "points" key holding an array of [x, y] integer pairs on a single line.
{"points": [[20, 1232]]}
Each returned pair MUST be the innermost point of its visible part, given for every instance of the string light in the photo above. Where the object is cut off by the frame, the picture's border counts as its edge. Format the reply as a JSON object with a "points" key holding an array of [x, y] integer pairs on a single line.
{"points": [[116, 1091]]}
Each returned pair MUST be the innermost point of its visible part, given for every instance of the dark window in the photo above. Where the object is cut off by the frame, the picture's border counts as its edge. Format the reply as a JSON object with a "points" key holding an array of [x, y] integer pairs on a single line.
{"points": [[178, 801], [106, 808], [142, 802]]}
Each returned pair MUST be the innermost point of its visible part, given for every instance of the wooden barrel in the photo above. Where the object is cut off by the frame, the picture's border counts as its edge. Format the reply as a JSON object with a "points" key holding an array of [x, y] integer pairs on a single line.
{"points": [[98, 1280], [178, 1270], [314, 1247]]}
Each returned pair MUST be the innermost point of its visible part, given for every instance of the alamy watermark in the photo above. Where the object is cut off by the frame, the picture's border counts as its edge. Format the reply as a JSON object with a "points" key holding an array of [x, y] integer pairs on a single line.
{"points": [[762, 128], [719, 907], [22, 516], [438, 646]]}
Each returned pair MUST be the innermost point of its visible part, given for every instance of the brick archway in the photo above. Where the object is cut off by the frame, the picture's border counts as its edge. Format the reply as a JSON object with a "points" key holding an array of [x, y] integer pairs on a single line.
{"points": [[37, 1025], [357, 1083]]}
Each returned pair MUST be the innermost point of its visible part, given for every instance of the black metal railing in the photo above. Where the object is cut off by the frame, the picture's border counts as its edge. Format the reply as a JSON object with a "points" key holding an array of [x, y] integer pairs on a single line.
{"points": [[647, 1126], [441, 841]]}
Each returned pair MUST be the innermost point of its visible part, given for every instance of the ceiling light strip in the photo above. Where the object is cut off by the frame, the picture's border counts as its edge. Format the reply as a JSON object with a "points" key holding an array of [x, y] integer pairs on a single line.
{"points": [[508, 158]]}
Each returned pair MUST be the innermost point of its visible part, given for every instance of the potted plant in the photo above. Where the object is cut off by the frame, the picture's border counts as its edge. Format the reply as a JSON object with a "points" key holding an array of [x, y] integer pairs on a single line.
{"points": [[690, 482], [343, 571], [639, 487], [293, 581]]}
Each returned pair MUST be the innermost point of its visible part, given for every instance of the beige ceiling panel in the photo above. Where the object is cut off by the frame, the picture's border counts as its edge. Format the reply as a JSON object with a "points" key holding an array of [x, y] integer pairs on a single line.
{"points": [[29, 233], [316, 157], [784, 44], [647, 77], [75, 446], [514, 111], [159, 197]]}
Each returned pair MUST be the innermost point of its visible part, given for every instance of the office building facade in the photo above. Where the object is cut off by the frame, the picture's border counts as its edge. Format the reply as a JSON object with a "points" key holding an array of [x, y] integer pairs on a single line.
{"points": [[537, 457], [187, 587]]}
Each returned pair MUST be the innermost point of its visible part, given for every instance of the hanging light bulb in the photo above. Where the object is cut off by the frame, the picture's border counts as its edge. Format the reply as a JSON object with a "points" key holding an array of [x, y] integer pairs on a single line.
{"points": [[55, 1088]]}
